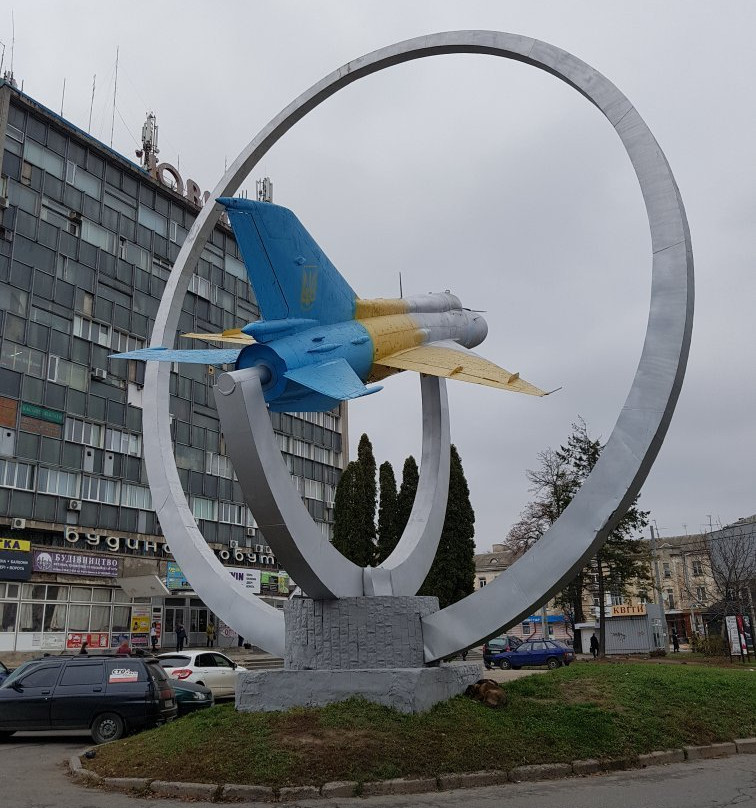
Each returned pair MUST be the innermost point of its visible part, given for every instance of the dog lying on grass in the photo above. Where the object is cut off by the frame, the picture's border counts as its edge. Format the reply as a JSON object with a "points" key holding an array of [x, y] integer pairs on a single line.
{"points": [[487, 691]]}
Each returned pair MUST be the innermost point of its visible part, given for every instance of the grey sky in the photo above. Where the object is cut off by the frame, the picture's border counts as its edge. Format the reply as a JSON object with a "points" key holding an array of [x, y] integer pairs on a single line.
{"points": [[477, 175]]}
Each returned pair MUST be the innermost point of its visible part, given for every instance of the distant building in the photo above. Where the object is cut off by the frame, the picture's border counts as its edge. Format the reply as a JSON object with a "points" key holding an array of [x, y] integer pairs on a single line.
{"points": [[87, 242]]}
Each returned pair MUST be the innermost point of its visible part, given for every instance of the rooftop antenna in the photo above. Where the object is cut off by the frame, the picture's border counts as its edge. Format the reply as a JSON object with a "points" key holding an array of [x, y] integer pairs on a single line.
{"points": [[400, 285], [13, 40], [63, 97], [91, 103], [2, 58], [264, 190], [149, 141], [115, 90]]}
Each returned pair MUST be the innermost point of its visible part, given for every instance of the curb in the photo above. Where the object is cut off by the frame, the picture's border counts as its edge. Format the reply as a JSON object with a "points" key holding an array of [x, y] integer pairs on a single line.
{"points": [[219, 792]]}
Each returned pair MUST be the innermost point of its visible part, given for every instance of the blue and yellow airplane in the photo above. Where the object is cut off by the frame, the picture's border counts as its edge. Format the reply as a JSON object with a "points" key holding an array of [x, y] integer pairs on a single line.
{"points": [[317, 343]]}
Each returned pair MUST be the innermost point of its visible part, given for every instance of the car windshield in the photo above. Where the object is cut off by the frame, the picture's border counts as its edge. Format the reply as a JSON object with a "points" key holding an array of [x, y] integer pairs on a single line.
{"points": [[19, 671], [173, 661]]}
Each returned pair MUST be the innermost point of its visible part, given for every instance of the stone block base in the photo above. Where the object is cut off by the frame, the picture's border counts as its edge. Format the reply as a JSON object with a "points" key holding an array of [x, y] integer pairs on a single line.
{"points": [[409, 690]]}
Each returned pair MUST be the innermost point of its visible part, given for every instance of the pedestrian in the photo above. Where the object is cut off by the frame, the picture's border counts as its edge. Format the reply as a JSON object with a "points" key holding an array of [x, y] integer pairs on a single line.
{"points": [[180, 636], [123, 649], [153, 637], [83, 649], [675, 642], [210, 630], [594, 645]]}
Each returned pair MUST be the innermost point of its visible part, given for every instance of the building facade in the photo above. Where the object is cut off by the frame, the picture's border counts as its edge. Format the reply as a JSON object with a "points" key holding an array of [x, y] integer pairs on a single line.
{"points": [[87, 242]]}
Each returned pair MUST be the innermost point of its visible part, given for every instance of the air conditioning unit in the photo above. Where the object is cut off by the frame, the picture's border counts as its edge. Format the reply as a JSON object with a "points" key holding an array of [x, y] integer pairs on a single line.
{"points": [[18, 524], [250, 532], [3, 202], [74, 504], [233, 544], [99, 373], [259, 548]]}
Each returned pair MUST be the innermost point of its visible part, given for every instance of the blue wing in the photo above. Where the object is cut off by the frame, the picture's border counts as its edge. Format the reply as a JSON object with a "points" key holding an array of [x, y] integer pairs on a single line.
{"points": [[200, 356], [334, 379]]}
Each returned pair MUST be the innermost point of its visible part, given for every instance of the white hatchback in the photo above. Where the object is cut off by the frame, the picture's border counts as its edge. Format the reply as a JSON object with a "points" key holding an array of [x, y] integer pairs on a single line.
{"points": [[204, 667]]}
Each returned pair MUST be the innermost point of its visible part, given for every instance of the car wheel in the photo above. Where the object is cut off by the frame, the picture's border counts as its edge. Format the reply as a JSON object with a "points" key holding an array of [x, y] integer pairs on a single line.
{"points": [[505, 664], [107, 727], [552, 663]]}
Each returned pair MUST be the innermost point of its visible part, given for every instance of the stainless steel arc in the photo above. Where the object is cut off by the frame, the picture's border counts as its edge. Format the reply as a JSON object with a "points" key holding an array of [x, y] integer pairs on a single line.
{"points": [[636, 437]]}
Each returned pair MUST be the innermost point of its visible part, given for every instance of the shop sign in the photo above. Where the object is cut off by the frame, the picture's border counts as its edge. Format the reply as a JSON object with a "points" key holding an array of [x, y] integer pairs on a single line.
{"points": [[43, 413], [15, 560], [75, 564], [94, 641], [626, 610], [249, 579]]}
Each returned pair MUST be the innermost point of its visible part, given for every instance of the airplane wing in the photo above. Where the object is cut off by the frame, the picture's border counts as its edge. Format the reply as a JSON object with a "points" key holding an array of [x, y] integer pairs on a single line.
{"points": [[450, 360], [234, 336], [211, 356], [334, 379]]}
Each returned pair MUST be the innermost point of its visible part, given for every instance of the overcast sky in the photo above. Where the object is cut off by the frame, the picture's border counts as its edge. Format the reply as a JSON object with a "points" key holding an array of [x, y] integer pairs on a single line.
{"points": [[478, 175]]}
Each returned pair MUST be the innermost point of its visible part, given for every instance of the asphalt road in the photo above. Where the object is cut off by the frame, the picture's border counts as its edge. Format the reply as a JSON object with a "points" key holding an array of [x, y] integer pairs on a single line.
{"points": [[34, 766]]}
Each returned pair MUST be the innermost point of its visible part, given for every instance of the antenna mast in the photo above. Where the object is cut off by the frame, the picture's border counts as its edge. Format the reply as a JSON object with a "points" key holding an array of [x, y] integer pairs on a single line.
{"points": [[63, 97], [91, 103], [115, 90]]}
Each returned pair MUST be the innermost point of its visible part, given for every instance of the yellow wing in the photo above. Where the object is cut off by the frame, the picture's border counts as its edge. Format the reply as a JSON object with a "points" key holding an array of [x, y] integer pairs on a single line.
{"points": [[233, 335], [451, 361]]}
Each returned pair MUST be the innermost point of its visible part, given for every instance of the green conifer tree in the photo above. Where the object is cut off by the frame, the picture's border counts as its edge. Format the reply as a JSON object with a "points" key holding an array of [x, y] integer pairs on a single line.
{"points": [[387, 507], [407, 491]]}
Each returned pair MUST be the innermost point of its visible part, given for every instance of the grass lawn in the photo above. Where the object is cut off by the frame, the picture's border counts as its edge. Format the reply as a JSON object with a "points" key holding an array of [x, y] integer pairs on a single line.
{"points": [[584, 711]]}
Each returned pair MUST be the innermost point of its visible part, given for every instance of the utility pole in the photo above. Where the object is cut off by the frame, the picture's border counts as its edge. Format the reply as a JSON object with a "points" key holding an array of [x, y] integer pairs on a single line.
{"points": [[657, 579]]}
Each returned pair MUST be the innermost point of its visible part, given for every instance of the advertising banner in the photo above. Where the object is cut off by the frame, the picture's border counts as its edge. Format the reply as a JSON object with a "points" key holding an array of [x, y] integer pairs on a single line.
{"points": [[274, 583], [75, 564], [15, 560], [94, 641], [140, 619], [250, 579], [175, 578]]}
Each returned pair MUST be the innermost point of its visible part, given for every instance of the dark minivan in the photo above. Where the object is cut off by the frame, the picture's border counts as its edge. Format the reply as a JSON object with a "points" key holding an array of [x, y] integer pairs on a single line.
{"points": [[108, 695]]}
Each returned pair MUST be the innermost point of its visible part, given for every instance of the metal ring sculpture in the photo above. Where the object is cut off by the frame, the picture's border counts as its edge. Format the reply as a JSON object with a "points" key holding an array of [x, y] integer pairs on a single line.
{"points": [[635, 440]]}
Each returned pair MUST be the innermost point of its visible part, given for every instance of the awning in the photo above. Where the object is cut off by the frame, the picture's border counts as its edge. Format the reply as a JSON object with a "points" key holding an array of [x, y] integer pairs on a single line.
{"points": [[143, 586]]}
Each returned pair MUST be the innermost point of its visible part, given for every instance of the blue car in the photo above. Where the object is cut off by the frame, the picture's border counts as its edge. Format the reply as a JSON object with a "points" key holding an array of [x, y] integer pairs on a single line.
{"points": [[533, 653]]}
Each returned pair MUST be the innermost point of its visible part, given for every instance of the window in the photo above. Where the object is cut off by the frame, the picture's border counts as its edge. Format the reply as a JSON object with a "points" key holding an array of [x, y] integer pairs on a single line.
{"points": [[701, 594], [697, 568], [42, 158], [23, 359], [218, 465], [98, 489], [154, 221], [59, 216], [200, 287], [54, 481], [91, 331], [136, 496], [8, 613], [80, 431], [86, 674], [525, 627], [203, 508], [16, 475], [667, 570], [231, 513], [670, 599], [121, 342], [65, 372], [118, 440], [40, 677]]}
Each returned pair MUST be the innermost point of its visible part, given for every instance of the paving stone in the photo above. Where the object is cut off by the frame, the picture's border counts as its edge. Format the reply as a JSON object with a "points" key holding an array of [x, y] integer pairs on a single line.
{"points": [[746, 746], [662, 757], [291, 793], [169, 789], [712, 750], [339, 788], [126, 783], [248, 793], [588, 766]]}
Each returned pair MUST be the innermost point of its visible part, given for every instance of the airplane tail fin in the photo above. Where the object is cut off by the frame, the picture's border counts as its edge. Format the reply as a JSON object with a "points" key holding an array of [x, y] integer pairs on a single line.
{"points": [[291, 276]]}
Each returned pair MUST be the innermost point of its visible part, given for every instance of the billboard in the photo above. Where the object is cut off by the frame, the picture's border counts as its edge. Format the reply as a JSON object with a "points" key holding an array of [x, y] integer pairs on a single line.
{"points": [[75, 564], [15, 560]]}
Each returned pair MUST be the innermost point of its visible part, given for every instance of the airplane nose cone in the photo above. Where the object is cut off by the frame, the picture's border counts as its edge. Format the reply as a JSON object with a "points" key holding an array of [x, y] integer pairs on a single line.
{"points": [[478, 330]]}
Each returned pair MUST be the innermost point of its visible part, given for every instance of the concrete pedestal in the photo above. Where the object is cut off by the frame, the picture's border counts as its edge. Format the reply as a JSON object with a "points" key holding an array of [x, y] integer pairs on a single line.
{"points": [[409, 690]]}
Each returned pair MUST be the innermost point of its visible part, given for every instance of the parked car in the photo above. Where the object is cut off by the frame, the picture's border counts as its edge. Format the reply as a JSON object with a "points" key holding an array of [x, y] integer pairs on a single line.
{"points": [[534, 653], [105, 694], [209, 668], [191, 697], [506, 642], [4, 672]]}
